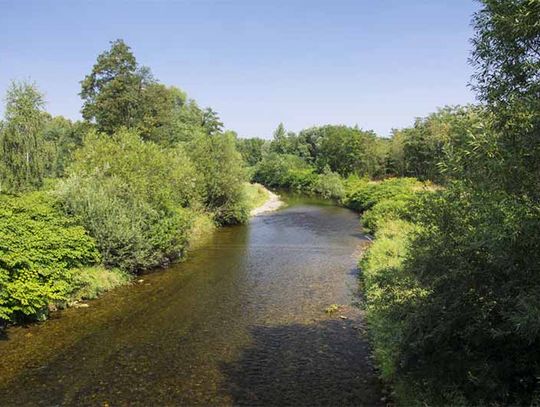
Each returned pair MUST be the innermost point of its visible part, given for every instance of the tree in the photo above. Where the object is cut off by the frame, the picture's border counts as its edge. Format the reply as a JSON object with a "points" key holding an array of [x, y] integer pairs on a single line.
{"points": [[507, 61], [221, 175], [472, 336], [251, 149], [21, 140], [113, 93], [346, 150], [211, 122]]}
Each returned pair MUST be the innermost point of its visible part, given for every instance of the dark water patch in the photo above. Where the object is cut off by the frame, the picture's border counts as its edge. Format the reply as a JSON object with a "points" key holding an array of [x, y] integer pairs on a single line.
{"points": [[320, 364]]}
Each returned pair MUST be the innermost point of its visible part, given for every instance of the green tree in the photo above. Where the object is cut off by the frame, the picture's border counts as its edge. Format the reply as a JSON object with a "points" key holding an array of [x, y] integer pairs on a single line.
{"points": [[347, 151], [507, 61], [472, 336], [114, 92], [251, 149], [221, 176], [211, 122], [136, 198], [21, 141], [61, 137]]}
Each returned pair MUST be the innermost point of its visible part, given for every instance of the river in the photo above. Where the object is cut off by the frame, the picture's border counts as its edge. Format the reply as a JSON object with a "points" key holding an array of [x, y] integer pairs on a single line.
{"points": [[241, 322]]}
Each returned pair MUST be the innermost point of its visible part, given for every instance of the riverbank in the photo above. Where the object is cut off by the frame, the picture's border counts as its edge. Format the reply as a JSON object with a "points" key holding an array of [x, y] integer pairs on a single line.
{"points": [[243, 321], [37, 212], [273, 203]]}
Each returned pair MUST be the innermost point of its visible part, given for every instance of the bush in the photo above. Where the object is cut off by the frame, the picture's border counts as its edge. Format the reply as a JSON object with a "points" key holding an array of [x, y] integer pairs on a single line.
{"points": [[388, 288], [362, 195], [135, 198], [282, 170], [221, 177], [452, 302], [294, 174], [90, 282], [388, 209], [476, 335], [329, 185], [39, 251]]}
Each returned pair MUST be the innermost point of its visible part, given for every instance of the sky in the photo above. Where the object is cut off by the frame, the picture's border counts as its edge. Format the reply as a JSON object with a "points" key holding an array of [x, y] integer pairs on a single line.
{"points": [[375, 64]]}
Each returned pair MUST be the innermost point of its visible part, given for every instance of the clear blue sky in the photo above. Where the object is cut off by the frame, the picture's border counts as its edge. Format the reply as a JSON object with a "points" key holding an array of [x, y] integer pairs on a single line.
{"points": [[377, 64]]}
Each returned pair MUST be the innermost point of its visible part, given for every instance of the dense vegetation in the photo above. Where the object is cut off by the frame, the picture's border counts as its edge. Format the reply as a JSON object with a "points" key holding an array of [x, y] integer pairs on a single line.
{"points": [[452, 279], [129, 188]]}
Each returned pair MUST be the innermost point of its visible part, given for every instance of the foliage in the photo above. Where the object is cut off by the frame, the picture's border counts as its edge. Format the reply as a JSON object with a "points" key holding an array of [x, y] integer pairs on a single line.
{"points": [[275, 169], [388, 288], [220, 175], [329, 185], [346, 150], [433, 148], [363, 195], [39, 251], [478, 256], [470, 334], [61, 138], [90, 282], [394, 208], [133, 197], [507, 61], [21, 141], [251, 149], [114, 92], [255, 195]]}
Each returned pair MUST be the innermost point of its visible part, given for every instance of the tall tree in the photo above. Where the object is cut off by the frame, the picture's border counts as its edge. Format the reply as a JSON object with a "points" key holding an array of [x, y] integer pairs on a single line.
{"points": [[21, 140], [113, 93]]}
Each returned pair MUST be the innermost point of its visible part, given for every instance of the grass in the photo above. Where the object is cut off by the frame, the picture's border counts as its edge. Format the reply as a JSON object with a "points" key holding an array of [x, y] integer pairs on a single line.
{"points": [[94, 281], [256, 195]]}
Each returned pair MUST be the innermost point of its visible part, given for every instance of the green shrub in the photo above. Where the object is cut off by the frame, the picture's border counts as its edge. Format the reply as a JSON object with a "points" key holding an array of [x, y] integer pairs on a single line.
{"points": [[476, 335], [282, 170], [329, 185], [388, 290], [452, 302], [90, 282], [221, 176], [134, 197], [388, 209], [301, 180], [294, 174], [363, 195], [39, 250]]}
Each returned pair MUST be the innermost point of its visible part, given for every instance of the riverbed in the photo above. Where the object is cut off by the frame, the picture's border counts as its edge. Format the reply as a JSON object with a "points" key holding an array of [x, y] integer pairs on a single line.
{"points": [[241, 322]]}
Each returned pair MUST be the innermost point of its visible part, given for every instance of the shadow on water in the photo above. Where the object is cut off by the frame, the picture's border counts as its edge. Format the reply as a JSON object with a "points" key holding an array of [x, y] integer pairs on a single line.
{"points": [[324, 363]]}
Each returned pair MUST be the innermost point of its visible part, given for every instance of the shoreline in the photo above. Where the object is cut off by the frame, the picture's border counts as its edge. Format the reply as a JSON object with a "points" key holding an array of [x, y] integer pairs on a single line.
{"points": [[273, 203]]}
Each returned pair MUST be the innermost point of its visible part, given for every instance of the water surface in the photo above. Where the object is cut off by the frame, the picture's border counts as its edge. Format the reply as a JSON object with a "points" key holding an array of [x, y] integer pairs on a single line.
{"points": [[241, 322]]}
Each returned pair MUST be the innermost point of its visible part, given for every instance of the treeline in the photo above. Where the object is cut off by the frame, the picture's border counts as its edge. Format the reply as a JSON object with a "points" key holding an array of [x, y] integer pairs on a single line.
{"points": [[84, 204], [430, 150], [452, 280]]}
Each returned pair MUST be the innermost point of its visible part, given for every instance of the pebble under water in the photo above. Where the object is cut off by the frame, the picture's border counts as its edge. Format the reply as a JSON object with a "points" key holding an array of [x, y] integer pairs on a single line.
{"points": [[241, 322]]}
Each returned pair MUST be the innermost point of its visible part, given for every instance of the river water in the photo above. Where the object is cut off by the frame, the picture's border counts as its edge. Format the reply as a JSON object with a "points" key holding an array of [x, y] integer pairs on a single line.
{"points": [[241, 322]]}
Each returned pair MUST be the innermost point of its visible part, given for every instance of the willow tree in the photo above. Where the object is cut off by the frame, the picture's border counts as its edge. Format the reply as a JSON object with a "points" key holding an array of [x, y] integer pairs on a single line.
{"points": [[21, 140]]}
